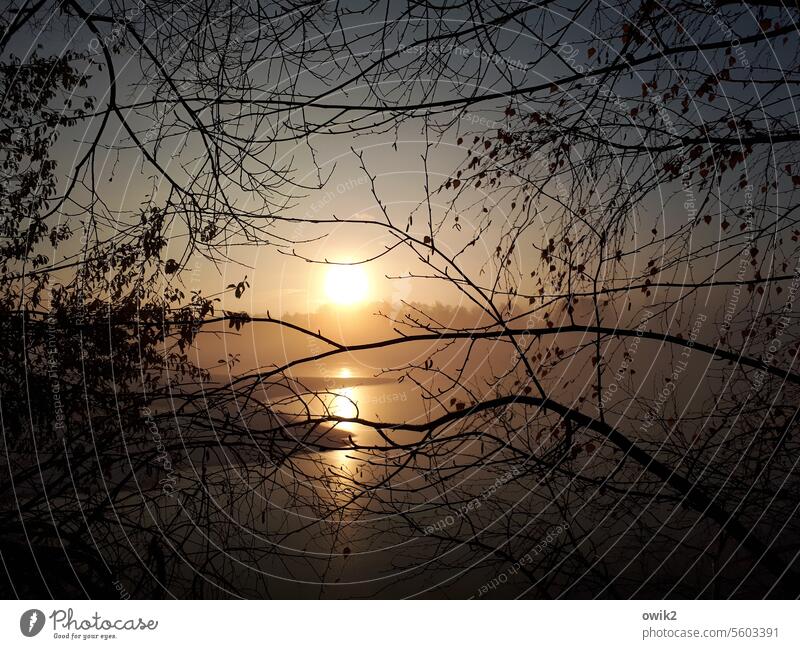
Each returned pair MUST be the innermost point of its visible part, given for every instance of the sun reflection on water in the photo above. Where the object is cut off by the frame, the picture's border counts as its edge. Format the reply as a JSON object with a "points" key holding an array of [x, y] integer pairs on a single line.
{"points": [[343, 404]]}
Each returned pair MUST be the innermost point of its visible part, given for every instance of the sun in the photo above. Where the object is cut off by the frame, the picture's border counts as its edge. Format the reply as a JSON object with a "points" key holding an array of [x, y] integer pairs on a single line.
{"points": [[346, 284]]}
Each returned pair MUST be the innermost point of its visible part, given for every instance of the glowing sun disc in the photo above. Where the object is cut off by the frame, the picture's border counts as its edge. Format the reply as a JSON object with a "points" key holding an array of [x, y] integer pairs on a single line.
{"points": [[346, 284]]}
